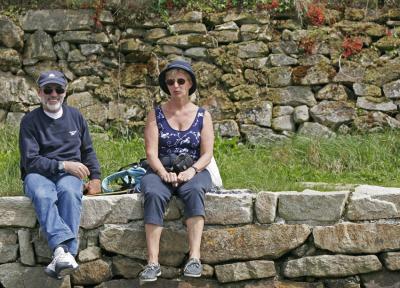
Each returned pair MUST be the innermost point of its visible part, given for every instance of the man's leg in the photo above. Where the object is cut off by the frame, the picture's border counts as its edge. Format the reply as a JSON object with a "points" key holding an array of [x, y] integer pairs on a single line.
{"points": [[43, 194], [69, 191]]}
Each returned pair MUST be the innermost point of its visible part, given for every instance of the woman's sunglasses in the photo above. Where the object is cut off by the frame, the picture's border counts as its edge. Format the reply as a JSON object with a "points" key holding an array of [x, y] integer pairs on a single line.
{"points": [[171, 82], [49, 90]]}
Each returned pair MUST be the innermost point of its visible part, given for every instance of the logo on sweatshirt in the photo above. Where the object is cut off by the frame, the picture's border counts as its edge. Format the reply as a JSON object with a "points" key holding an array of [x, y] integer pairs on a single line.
{"points": [[72, 133]]}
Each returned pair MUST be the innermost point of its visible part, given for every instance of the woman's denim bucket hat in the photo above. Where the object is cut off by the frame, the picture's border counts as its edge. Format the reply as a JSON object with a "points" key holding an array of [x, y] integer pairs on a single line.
{"points": [[177, 64]]}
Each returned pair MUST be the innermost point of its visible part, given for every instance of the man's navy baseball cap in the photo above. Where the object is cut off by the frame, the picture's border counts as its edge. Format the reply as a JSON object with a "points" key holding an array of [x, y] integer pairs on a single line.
{"points": [[52, 77], [177, 64]]}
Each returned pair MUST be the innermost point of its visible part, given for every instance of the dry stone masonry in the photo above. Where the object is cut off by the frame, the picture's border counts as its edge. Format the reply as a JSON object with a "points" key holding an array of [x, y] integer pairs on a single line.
{"points": [[345, 238], [262, 77]]}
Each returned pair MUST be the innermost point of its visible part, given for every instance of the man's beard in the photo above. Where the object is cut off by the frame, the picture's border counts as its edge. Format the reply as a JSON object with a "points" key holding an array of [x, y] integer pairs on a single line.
{"points": [[53, 108]]}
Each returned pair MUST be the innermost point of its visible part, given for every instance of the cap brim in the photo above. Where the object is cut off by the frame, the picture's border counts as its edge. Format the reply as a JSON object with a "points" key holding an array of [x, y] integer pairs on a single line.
{"points": [[53, 81]]}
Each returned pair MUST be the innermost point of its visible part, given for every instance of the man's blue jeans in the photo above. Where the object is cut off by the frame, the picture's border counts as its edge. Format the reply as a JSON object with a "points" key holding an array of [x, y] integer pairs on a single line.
{"points": [[58, 203]]}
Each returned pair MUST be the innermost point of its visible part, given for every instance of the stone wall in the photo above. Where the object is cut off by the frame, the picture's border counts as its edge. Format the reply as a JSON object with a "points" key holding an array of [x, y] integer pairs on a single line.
{"points": [[262, 77], [285, 239]]}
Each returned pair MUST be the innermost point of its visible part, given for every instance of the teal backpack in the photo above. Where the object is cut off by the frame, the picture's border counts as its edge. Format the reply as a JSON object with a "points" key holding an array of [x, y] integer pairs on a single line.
{"points": [[126, 179]]}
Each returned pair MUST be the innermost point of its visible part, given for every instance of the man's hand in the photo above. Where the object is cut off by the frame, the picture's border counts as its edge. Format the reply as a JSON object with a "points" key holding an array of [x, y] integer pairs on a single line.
{"points": [[93, 187], [77, 169]]}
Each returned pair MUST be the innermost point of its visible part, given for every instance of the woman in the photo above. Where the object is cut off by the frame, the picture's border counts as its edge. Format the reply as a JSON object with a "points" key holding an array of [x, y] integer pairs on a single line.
{"points": [[176, 127]]}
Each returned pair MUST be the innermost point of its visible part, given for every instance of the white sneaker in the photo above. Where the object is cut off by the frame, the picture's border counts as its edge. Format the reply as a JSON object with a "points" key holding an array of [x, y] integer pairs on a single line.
{"points": [[63, 264], [50, 270]]}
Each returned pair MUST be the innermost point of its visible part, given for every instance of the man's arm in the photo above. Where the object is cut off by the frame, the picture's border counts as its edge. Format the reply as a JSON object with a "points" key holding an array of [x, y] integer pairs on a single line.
{"points": [[31, 160]]}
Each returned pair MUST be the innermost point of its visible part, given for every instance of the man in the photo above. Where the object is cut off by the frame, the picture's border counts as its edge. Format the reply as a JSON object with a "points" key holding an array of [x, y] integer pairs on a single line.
{"points": [[56, 157]]}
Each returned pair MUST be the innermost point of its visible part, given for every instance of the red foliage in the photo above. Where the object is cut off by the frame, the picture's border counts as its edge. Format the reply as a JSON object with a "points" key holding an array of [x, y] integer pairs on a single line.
{"points": [[351, 46], [169, 4], [268, 6], [389, 32], [308, 44], [97, 11], [315, 14]]}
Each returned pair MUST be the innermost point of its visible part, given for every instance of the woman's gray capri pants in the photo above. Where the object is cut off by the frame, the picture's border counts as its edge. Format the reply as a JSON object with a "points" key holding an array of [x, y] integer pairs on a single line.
{"points": [[158, 193]]}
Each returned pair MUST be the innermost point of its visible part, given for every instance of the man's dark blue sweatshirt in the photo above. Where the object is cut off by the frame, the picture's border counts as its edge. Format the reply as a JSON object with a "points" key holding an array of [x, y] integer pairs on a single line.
{"points": [[43, 141]]}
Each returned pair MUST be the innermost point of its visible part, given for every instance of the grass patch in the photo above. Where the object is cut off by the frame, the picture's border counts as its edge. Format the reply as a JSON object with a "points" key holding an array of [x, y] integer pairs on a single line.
{"points": [[364, 159]]}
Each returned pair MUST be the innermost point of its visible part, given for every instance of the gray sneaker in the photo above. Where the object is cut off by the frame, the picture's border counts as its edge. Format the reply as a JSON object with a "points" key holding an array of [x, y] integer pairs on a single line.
{"points": [[193, 268], [150, 272]]}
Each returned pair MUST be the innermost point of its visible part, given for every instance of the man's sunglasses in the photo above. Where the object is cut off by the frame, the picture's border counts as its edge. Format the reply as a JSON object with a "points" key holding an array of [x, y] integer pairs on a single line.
{"points": [[171, 82], [49, 90]]}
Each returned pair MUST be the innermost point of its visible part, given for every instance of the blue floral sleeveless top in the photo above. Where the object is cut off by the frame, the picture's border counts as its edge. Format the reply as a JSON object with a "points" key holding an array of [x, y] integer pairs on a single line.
{"points": [[171, 141]]}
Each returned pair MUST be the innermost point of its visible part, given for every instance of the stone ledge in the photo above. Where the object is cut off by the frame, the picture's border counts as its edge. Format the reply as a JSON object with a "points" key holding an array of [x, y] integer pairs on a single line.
{"points": [[248, 239]]}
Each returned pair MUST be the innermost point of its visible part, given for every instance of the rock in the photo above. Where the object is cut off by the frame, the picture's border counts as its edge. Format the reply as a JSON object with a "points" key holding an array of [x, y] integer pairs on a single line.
{"points": [[8, 246], [244, 92], [256, 269], [374, 202], [153, 35], [89, 49], [126, 267], [312, 207], [189, 40], [382, 279], [17, 211], [25, 247], [378, 104], [89, 254], [224, 209], [333, 113], [283, 123], [331, 266], [82, 37], [322, 73], [292, 95], [334, 92], [391, 260], [97, 211], [93, 272], [255, 112], [265, 207], [373, 121], [226, 128], [281, 60], [355, 238], [188, 27], [260, 136], [279, 76], [11, 35], [350, 72], [391, 90], [196, 53], [129, 240], [300, 114], [361, 89], [49, 20], [240, 242], [9, 58], [312, 129], [40, 47], [14, 275]]}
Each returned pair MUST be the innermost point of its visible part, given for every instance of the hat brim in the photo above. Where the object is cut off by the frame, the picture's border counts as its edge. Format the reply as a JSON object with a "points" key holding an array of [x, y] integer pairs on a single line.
{"points": [[53, 81], [163, 85]]}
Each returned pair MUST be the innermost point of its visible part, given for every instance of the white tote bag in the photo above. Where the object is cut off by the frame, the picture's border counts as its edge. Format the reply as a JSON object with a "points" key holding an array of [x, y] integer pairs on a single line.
{"points": [[214, 172]]}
